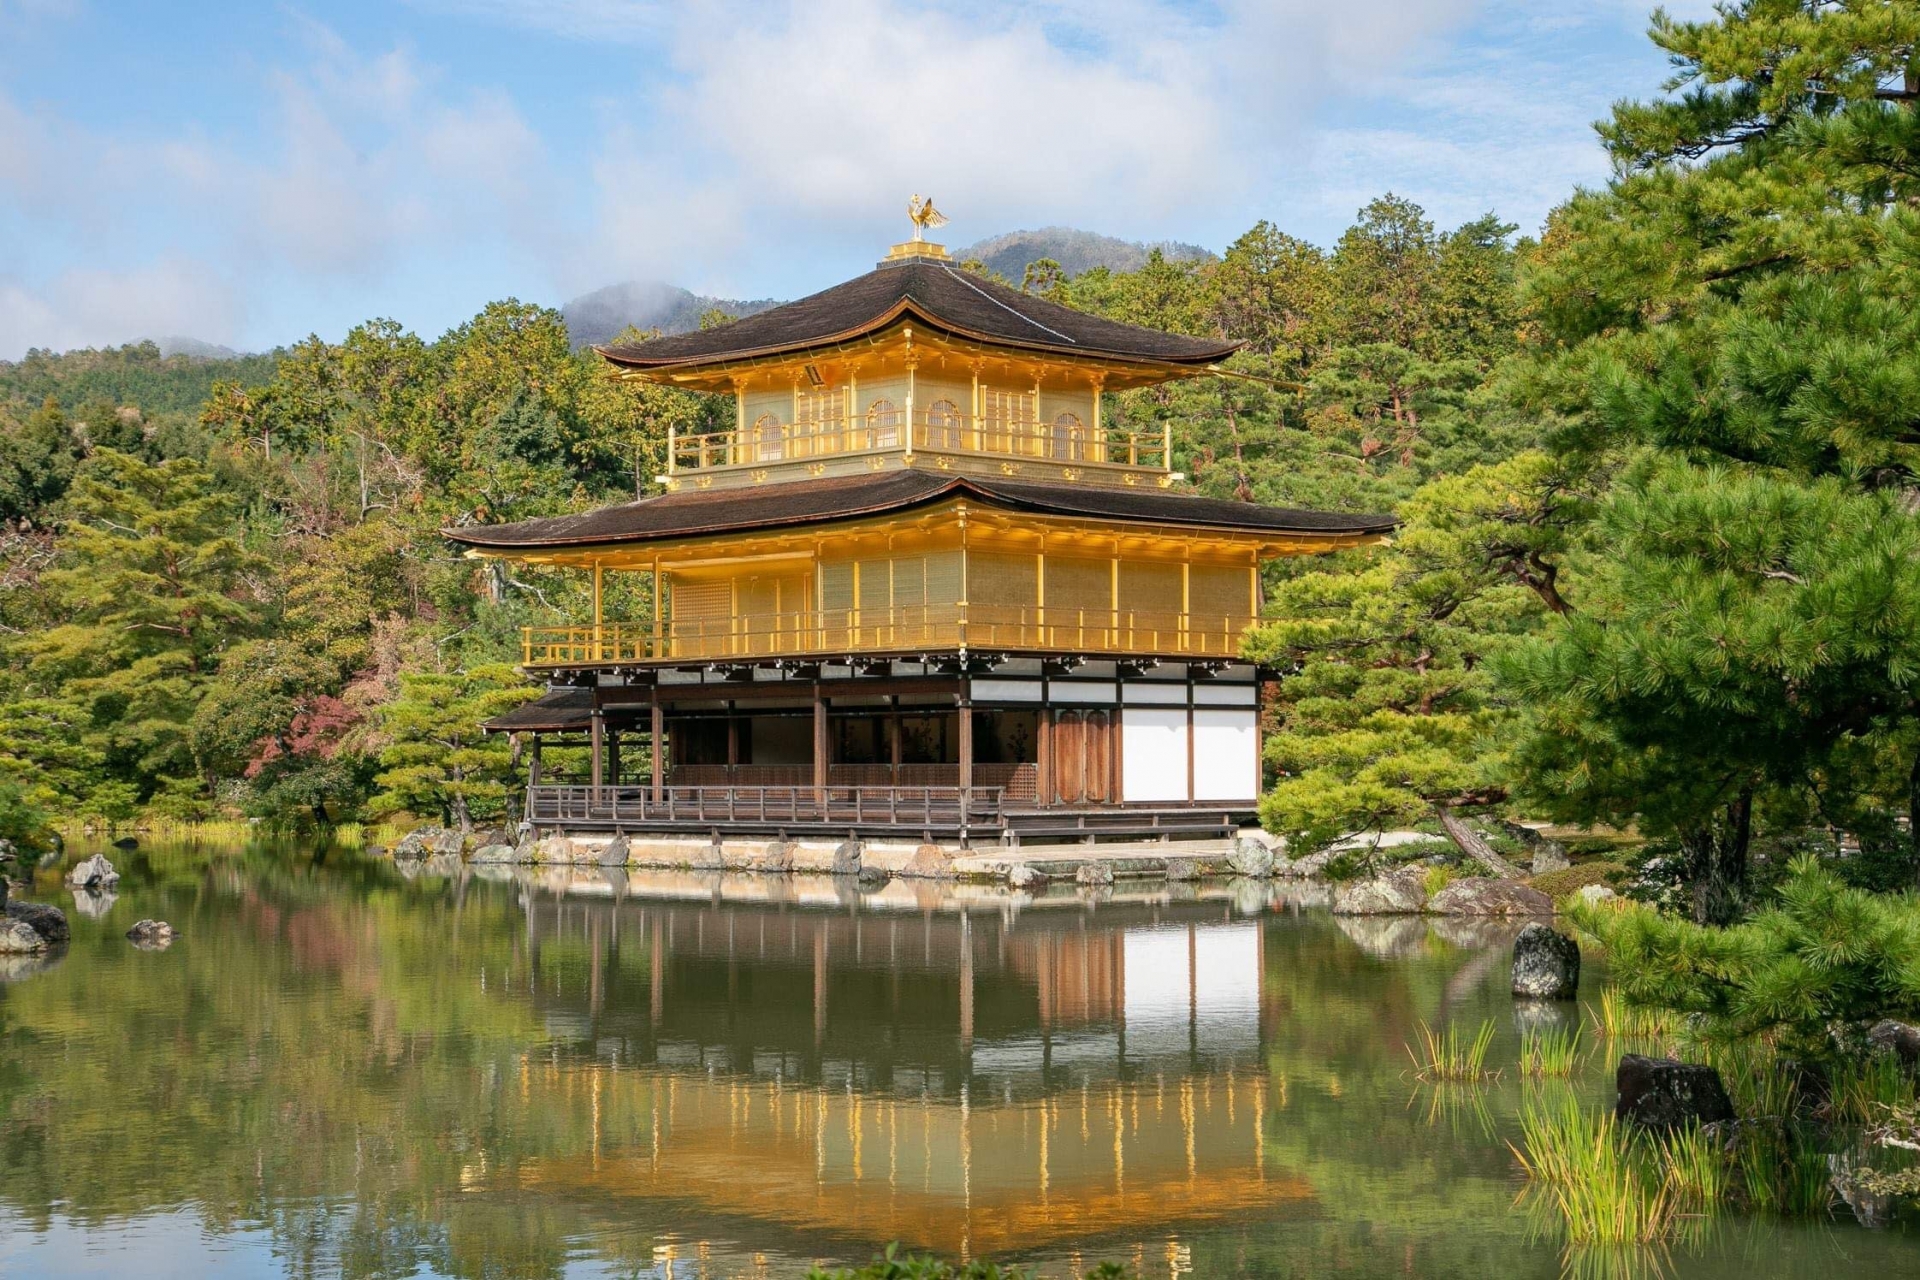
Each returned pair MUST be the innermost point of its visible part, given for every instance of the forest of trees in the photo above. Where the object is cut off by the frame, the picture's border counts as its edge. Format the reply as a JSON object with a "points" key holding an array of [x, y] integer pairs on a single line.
{"points": [[1656, 471]]}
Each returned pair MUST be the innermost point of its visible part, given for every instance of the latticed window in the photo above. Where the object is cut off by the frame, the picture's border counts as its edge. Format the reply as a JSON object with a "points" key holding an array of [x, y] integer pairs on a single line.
{"points": [[1069, 437], [883, 425], [943, 425], [768, 446], [822, 419], [1007, 420]]}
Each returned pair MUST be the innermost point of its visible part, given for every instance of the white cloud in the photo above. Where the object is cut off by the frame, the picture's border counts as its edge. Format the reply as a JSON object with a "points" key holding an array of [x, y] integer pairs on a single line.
{"points": [[365, 159]]}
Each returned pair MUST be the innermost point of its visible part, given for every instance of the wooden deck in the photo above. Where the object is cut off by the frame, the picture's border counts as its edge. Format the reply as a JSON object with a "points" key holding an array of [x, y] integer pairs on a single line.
{"points": [[967, 813]]}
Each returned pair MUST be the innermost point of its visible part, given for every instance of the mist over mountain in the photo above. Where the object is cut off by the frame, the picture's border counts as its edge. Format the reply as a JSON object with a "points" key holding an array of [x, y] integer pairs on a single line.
{"points": [[1076, 251], [195, 348], [645, 304]]}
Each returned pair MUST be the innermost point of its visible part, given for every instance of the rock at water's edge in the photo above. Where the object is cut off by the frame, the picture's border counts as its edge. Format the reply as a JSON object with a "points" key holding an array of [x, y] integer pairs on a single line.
{"points": [[1022, 876], [423, 842], [1251, 857], [1546, 964], [1396, 893], [49, 922], [615, 852], [1095, 874], [17, 937], [1181, 870], [929, 862], [493, 853], [1306, 868], [846, 858], [1486, 896], [1659, 1093], [872, 877], [777, 857]]}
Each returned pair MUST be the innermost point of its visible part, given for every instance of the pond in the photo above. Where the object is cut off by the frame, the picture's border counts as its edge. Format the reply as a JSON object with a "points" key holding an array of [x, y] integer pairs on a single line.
{"points": [[342, 1070]]}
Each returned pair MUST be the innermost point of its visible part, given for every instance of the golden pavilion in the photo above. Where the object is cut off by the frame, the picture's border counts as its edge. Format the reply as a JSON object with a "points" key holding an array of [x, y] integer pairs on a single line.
{"points": [[921, 587]]}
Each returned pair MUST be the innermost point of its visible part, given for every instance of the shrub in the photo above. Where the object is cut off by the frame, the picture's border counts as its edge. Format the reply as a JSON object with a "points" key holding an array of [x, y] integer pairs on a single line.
{"points": [[1558, 884]]}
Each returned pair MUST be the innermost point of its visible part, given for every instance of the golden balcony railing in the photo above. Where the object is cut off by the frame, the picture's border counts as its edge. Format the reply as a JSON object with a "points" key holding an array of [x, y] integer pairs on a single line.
{"points": [[934, 432], [895, 630]]}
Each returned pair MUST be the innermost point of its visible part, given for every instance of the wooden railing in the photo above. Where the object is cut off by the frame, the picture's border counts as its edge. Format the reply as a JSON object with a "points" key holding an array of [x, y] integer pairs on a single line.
{"points": [[838, 805], [935, 433], [895, 630]]}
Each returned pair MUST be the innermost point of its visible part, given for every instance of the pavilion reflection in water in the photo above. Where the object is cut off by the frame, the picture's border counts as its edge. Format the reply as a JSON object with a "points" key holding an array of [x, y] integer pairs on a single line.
{"points": [[963, 1076]]}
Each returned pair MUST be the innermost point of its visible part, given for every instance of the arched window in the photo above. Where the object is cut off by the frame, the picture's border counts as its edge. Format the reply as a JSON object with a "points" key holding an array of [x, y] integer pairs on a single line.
{"points": [[883, 425], [767, 444], [1069, 437], [943, 425]]}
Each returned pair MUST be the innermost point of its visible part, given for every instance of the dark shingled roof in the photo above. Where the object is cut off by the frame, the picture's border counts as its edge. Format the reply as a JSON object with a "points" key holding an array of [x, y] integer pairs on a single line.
{"points": [[557, 711], [936, 294], [693, 512]]}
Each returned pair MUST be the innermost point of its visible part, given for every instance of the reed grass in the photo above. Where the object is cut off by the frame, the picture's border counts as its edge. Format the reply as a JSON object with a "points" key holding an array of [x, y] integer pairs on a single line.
{"points": [[1452, 1057], [1780, 1168], [1602, 1180], [1619, 1020], [1698, 1170], [1864, 1090], [1552, 1052], [1756, 1084]]}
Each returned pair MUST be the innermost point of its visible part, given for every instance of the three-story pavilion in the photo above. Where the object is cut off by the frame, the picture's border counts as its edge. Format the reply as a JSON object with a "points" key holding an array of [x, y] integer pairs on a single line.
{"points": [[920, 587]]}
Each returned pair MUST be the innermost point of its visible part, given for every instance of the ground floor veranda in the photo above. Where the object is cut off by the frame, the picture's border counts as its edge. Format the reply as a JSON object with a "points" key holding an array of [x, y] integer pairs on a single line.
{"points": [[938, 750]]}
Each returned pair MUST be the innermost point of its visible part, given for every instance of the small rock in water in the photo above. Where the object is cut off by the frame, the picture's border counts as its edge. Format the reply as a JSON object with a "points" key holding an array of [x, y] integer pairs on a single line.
{"points": [[1546, 964], [47, 921], [17, 937], [1659, 1093], [873, 877], [1096, 874], [94, 873], [152, 935], [1181, 870]]}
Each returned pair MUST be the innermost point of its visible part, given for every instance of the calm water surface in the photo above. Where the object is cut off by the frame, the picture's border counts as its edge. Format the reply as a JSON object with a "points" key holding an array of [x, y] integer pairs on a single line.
{"points": [[341, 1070]]}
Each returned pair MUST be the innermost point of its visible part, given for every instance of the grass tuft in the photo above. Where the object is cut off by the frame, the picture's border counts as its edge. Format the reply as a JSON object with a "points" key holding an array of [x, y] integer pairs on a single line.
{"points": [[1452, 1056], [1607, 1188], [1553, 1052], [1619, 1020]]}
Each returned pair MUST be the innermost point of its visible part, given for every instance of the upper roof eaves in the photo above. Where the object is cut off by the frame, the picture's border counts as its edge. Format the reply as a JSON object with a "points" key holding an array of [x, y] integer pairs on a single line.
{"points": [[937, 295]]}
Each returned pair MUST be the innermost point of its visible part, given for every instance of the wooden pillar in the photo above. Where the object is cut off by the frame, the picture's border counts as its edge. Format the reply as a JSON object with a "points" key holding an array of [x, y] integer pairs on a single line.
{"points": [[656, 727], [893, 740], [820, 750], [1043, 753], [966, 748], [597, 733], [733, 741], [533, 763]]}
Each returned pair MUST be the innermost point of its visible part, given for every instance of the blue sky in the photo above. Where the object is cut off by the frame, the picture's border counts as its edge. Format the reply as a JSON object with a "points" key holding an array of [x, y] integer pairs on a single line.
{"points": [[250, 173]]}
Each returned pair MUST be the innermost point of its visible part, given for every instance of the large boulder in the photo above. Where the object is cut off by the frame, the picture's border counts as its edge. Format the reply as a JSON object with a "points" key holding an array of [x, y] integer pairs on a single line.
{"points": [[1400, 892], [615, 852], [18, 938], [1251, 857], [711, 856], [1901, 1039], [152, 935], [1659, 1093], [551, 849], [94, 873], [1181, 870], [47, 921], [1486, 896], [1546, 964], [496, 853], [491, 835]]}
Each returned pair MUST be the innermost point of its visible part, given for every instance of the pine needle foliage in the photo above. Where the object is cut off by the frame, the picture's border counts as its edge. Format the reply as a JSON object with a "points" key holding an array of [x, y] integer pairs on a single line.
{"points": [[1824, 954]]}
